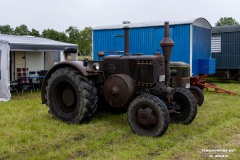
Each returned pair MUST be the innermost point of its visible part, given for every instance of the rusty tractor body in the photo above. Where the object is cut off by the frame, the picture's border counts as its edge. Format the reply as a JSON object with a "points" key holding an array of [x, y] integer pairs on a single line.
{"points": [[138, 83]]}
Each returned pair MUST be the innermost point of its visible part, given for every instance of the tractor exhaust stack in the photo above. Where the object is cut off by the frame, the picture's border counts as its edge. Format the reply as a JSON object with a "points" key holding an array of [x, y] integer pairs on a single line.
{"points": [[167, 44], [126, 40]]}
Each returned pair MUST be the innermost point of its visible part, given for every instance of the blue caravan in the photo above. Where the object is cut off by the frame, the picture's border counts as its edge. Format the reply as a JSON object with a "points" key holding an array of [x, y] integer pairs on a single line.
{"points": [[192, 42]]}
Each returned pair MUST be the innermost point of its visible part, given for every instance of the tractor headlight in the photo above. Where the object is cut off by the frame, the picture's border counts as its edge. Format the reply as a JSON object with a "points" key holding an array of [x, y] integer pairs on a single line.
{"points": [[96, 66]]}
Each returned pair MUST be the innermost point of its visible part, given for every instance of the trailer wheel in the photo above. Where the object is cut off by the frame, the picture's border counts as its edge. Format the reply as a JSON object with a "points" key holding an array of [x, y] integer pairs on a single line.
{"points": [[148, 115], [198, 94], [70, 96], [185, 107]]}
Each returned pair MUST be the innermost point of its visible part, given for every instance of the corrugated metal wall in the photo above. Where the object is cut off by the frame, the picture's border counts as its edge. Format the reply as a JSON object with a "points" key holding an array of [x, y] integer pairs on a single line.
{"points": [[181, 38], [107, 40], [147, 41], [144, 40], [229, 57], [201, 47]]}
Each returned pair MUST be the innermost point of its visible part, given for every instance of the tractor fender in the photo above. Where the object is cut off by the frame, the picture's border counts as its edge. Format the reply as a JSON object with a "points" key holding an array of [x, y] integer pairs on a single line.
{"points": [[78, 65]]}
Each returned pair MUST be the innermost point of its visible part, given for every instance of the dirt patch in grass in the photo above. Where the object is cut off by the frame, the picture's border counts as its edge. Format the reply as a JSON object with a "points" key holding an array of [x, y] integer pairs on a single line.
{"points": [[78, 155], [154, 153], [79, 137], [235, 140], [5, 157]]}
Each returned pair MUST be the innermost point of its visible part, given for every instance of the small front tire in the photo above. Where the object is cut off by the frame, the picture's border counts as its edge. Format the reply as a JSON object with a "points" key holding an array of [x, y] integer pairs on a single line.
{"points": [[185, 109], [198, 94], [148, 116]]}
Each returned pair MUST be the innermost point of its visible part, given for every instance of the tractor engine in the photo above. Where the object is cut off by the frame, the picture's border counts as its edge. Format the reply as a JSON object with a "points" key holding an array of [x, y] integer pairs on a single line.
{"points": [[131, 75]]}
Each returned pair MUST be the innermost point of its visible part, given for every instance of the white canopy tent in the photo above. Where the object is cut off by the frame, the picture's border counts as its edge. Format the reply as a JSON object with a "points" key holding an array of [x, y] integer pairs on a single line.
{"points": [[30, 44], [4, 72]]}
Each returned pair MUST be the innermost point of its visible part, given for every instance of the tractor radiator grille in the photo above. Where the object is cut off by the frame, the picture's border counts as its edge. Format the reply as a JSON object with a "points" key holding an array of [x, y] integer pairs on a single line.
{"points": [[145, 73], [185, 72]]}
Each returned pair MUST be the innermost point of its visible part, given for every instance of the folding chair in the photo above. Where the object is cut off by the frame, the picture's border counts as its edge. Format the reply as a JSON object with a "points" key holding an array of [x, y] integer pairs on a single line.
{"points": [[14, 86], [23, 79]]}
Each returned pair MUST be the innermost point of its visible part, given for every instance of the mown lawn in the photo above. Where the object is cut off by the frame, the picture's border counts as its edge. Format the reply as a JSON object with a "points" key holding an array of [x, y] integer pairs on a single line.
{"points": [[27, 131]]}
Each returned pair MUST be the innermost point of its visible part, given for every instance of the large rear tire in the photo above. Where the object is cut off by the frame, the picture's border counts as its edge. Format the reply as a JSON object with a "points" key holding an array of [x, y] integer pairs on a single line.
{"points": [[198, 94], [148, 116], [185, 107], [70, 96]]}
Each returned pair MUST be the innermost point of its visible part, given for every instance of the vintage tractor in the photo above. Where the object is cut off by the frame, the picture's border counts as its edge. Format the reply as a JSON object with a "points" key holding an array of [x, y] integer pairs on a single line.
{"points": [[180, 77], [139, 83]]}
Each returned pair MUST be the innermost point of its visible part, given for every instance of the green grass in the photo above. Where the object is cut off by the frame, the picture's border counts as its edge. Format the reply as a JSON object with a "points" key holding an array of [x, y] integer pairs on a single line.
{"points": [[27, 131], [218, 80]]}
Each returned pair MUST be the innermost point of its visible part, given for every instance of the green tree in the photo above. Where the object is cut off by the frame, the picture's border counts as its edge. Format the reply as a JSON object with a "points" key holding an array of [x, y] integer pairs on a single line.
{"points": [[226, 21], [35, 33], [21, 30], [6, 29], [73, 34], [54, 35], [85, 45]]}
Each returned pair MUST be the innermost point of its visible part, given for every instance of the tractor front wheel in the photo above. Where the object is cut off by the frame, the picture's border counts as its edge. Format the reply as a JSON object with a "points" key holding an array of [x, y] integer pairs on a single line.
{"points": [[148, 115], [198, 94], [185, 109]]}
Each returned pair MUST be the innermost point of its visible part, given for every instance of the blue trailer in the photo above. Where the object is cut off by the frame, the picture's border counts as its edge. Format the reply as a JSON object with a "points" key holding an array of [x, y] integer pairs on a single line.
{"points": [[192, 42]]}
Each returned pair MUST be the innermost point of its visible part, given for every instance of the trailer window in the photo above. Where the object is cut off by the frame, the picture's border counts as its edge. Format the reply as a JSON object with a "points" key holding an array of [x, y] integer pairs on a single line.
{"points": [[216, 43]]}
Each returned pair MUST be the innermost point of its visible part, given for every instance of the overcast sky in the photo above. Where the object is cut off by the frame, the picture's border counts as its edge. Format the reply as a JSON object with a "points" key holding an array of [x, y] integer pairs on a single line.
{"points": [[60, 14]]}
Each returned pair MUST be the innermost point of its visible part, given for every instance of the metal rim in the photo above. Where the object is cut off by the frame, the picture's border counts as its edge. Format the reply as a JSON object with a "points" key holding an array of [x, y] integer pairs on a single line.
{"points": [[181, 109], [65, 97], [146, 117]]}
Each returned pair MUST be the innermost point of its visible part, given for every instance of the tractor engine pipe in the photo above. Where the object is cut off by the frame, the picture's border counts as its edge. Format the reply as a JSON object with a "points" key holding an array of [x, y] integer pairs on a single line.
{"points": [[126, 40], [167, 44]]}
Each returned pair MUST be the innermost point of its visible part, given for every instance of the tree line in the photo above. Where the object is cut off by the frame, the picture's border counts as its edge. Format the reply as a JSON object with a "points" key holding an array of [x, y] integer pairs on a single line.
{"points": [[83, 38], [226, 21]]}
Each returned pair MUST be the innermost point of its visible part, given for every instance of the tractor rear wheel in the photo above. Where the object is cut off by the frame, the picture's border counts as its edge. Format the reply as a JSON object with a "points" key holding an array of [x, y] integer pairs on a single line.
{"points": [[198, 94], [70, 96], [148, 115], [185, 107]]}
